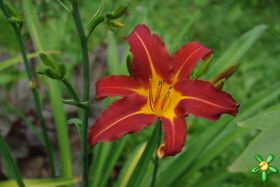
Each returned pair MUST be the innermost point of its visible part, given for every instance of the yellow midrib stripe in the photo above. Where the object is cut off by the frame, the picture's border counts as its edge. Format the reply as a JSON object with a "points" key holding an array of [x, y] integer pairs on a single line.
{"points": [[205, 101]]}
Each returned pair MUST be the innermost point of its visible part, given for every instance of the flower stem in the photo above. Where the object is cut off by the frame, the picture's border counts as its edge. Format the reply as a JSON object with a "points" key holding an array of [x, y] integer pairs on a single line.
{"points": [[13, 169], [156, 160], [71, 90], [85, 58], [37, 100], [35, 92]]}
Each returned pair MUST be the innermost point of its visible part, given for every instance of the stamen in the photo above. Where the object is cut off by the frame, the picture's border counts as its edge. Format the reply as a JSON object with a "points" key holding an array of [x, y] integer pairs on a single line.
{"points": [[165, 98], [151, 95], [158, 91]]}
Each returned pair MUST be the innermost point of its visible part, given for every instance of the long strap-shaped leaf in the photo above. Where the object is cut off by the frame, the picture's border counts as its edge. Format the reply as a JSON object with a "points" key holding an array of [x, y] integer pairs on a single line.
{"points": [[197, 152], [10, 163], [236, 50], [140, 170], [48, 182], [37, 36], [15, 60]]}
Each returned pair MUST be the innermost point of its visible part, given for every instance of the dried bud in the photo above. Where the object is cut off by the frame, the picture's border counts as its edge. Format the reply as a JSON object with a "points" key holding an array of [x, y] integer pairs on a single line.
{"points": [[161, 151]]}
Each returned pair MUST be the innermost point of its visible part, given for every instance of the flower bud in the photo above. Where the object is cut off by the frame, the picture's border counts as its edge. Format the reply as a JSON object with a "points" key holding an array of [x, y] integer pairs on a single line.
{"points": [[129, 64], [225, 74], [119, 12], [47, 61], [52, 74]]}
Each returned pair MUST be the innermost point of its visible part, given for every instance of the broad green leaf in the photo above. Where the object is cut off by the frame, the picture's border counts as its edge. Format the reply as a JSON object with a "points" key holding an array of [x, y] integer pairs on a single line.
{"points": [[267, 142], [262, 121], [15, 60], [236, 50], [56, 182]]}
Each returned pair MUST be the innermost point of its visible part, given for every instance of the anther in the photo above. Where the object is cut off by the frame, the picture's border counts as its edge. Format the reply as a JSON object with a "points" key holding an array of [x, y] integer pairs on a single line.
{"points": [[160, 83], [165, 97]]}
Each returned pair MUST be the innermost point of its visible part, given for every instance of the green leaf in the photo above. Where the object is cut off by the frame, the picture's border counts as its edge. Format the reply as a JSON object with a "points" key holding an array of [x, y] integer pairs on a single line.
{"points": [[15, 60], [40, 41], [129, 166], [10, 163], [47, 182], [267, 142], [261, 121], [112, 159], [141, 168], [236, 50], [212, 142]]}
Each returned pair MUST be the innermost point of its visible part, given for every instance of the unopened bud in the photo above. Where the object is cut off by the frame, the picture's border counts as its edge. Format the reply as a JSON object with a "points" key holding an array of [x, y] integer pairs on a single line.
{"points": [[225, 74], [220, 84], [52, 74], [129, 64], [116, 23], [119, 12]]}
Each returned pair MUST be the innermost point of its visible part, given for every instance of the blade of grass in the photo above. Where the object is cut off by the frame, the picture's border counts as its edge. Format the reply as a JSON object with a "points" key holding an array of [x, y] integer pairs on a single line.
{"points": [[54, 93], [236, 50], [101, 152], [10, 163], [129, 166], [15, 60], [49, 182], [146, 157], [112, 159]]}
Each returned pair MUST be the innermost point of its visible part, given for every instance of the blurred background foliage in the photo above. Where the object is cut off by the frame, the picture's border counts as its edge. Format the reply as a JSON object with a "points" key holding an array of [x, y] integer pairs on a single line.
{"points": [[216, 24]]}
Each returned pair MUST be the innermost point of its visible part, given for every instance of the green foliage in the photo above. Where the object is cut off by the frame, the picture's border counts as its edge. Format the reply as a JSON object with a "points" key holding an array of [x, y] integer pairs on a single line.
{"points": [[242, 32]]}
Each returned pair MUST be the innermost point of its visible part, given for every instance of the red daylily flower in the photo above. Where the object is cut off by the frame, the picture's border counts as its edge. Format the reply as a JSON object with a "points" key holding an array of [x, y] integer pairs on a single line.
{"points": [[159, 87]]}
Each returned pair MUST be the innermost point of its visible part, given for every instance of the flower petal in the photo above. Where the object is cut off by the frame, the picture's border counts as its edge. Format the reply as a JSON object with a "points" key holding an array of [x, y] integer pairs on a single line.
{"points": [[117, 85], [150, 56], [174, 134], [255, 169], [269, 158], [120, 118], [258, 158], [273, 169], [187, 57], [203, 100], [264, 176]]}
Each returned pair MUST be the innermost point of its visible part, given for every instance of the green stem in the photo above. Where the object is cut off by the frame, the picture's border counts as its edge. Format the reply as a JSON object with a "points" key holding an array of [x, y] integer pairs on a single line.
{"points": [[84, 128], [71, 90], [38, 105], [156, 160], [35, 92], [10, 162]]}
